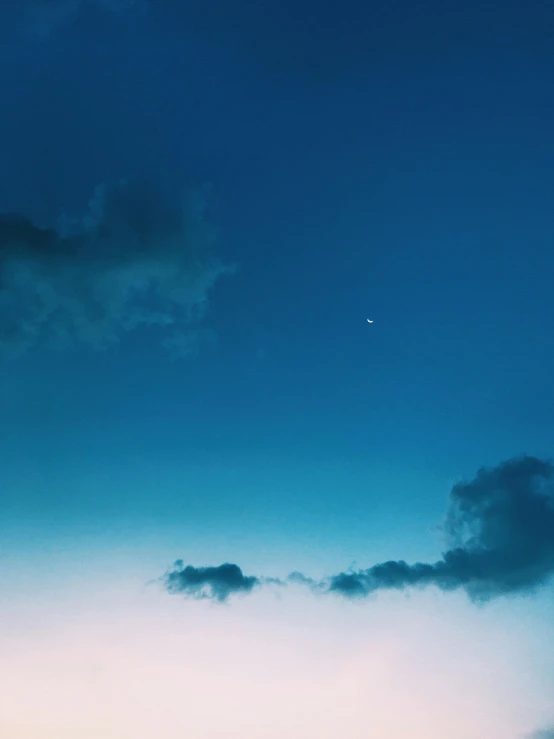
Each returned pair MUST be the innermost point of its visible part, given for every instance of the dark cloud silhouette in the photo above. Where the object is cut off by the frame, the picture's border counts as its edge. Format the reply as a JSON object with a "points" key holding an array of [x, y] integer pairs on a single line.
{"points": [[542, 734], [217, 583], [500, 531], [133, 261], [500, 528]]}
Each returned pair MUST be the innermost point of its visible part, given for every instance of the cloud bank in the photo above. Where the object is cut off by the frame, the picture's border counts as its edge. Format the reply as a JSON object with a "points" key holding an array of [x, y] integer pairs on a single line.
{"points": [[500, 528], [134, 261], [500, 534]]}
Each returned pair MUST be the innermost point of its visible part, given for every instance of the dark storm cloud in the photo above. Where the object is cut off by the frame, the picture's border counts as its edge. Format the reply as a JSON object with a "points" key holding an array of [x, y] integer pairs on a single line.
{"points": [[133, 261], [500, 531], [217, 583]]}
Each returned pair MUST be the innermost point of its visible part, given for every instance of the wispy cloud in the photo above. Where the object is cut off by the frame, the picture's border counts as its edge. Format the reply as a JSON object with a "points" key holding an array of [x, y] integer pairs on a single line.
{"points": [[45, 16], [500, 532], [133, 261]]}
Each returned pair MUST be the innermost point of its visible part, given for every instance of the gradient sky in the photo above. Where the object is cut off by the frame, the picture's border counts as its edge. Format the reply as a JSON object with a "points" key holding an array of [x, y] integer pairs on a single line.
{"points": [[186, 370]]}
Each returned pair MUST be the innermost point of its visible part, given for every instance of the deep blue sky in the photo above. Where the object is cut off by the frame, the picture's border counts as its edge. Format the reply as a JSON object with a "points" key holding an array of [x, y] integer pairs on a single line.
{"points": [[386, 160]]}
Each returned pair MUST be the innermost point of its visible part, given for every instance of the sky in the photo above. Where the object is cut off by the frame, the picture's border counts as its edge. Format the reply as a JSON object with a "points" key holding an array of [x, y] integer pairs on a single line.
{"points": [[230, 507]]}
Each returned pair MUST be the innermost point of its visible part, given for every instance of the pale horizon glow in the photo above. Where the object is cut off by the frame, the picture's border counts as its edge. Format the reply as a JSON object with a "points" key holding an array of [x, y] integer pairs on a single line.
{"points": [[133, 663], [152, 667]]}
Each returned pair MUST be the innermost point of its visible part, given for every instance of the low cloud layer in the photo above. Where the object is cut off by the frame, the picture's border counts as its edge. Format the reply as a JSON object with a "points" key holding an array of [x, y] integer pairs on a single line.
{"points": [[134, 261], [500, 535]]}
